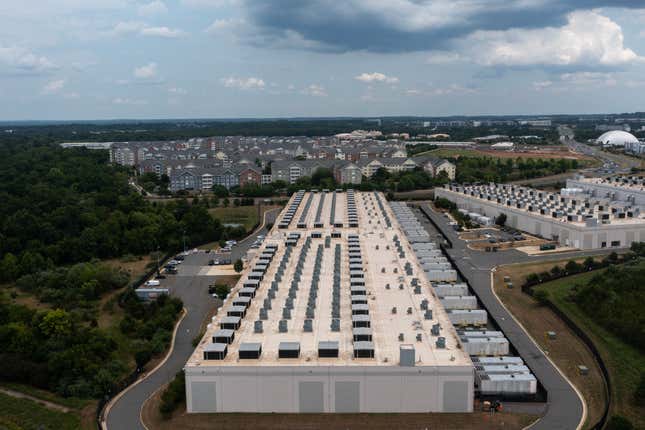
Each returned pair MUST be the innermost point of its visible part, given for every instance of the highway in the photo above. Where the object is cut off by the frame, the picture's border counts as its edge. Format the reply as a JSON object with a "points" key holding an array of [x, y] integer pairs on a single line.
{"points": [[192, 288], [565, 409]]}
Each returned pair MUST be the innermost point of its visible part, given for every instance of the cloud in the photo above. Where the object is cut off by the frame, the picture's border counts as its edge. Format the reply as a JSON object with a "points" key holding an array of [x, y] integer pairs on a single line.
{"points": [[209, 3], [588, 39], [541, 85], [128, 101], [54, 86], [243, 83], [224, 25], [403, 25], [161, 32], [155, 7], [314, 90], [589, 78], [20, 60], [177, 91], [443, 57], [376, 77], [125, 28], [147, 71]]}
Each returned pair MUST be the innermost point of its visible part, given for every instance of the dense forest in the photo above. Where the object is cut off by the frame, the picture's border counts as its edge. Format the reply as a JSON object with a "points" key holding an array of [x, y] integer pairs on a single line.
{"points": [[62, 212]]}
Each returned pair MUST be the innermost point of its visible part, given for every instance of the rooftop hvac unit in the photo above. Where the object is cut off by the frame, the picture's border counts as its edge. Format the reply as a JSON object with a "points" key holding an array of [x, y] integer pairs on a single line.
{"points": [[441, 342], [289, 350], [328, 349], [250, 350], [282, 326], [257, 327]]}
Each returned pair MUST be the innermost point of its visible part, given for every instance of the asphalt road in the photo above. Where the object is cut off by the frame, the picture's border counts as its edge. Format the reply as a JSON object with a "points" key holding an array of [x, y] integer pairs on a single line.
{"points": [[192, 288], [564, 407]]}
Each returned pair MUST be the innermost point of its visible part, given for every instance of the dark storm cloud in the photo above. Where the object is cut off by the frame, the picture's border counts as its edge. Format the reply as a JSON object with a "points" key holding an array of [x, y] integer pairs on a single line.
{"points": [[350, 25]]}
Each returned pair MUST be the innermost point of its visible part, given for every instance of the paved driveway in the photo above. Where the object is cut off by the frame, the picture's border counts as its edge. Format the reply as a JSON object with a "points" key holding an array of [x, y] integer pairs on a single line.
{"points": [[192, 288], [564, 407]]}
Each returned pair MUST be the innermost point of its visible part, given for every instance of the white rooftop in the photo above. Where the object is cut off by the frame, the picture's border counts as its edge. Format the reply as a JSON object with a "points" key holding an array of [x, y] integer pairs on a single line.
{"points": [[386, 326]]}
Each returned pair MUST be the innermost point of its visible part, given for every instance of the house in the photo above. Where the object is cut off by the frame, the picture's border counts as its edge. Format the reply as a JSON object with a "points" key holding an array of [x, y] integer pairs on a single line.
{"points": [[250, 175], [348, 173], [434, 166]]}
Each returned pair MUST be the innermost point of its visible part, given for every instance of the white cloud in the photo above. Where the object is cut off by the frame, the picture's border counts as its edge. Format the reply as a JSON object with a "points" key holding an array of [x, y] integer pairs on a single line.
{"points": [[54, 86], [243, 83], [177, 91], [376, 77], [72, 96], [443, 57], [148, 71], [161, 32], [155, 7], [541, 85], [135, 27], [589, 78], [588, 39], [222, 25], [22, 60], [208, 3], [127, 101], [314, 90]]}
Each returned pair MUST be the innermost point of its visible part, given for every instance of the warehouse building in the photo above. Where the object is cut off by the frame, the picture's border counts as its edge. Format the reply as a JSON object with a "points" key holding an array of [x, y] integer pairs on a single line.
{"points": [[574, 219], [339, 317]]}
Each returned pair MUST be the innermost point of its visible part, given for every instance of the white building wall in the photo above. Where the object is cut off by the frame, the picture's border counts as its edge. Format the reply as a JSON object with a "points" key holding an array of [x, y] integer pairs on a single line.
{"points": [[381, 388]]}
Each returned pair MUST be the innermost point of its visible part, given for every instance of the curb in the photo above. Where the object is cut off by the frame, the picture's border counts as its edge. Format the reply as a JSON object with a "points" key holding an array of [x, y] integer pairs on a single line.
{"points": [[106, 411], [582, 400]]}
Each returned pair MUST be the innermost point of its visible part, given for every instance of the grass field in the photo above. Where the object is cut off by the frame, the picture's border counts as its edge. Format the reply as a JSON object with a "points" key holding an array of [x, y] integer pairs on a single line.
{"points": [[624, 362], [244, 215], [27, 414], [567, 351], [461, 152]]}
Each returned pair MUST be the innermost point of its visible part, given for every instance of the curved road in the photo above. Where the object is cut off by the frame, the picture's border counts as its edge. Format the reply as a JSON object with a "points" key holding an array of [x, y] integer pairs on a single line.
{"points": [[565, 409], [192, 289]]}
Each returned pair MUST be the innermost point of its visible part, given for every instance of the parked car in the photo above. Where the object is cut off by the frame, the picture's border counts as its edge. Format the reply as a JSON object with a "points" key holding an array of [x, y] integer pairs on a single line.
{"points": [[208, 251], [211, 262], [153, 283]]}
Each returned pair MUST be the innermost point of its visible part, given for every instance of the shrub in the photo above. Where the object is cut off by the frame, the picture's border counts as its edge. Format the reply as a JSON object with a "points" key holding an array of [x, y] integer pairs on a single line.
{"points": [[173, 395]]}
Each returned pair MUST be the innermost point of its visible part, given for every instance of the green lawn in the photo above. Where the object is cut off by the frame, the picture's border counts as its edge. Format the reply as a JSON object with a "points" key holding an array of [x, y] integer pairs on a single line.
{"points": [[625, 363], [245, 215], [27, 414]]}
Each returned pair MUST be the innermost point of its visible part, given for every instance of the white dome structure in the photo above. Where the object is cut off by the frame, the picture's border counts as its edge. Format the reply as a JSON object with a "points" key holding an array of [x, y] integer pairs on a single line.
{"points": [[616, 138]]}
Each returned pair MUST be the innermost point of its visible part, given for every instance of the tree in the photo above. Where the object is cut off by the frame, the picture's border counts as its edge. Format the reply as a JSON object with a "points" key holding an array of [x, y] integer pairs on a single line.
{"points": [[9, 268], [572, 267], [501, 220], [238, 265], [220, 191], [56, 322]]}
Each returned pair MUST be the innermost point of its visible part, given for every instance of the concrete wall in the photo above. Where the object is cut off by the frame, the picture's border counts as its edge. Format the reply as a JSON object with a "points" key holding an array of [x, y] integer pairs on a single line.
{"points": [[302, 389], [568, 234]]}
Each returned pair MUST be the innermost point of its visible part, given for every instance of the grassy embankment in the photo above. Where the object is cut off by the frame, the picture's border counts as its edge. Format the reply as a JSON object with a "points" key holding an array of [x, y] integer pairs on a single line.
{"points": [[625, 363]]}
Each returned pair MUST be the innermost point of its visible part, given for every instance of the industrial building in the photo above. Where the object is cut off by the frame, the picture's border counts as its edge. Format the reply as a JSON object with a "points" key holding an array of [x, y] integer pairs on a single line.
{"points": [[335, 314], [630, 189], [575, 217]]}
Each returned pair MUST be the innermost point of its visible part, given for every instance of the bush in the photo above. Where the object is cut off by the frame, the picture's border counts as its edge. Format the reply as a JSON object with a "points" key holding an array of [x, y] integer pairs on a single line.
{"points": [[238, 265], [541, 296], [173, 395], [501, 220], [618, 422]]}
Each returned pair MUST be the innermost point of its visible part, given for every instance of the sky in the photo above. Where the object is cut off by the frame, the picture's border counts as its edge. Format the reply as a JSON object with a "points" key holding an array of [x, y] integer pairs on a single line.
{"points": [[138, 59]]}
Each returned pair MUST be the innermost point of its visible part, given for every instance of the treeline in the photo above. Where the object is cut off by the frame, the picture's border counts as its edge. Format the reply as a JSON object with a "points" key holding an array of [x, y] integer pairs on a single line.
{"points": [[63, 206], [488, 169]]}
